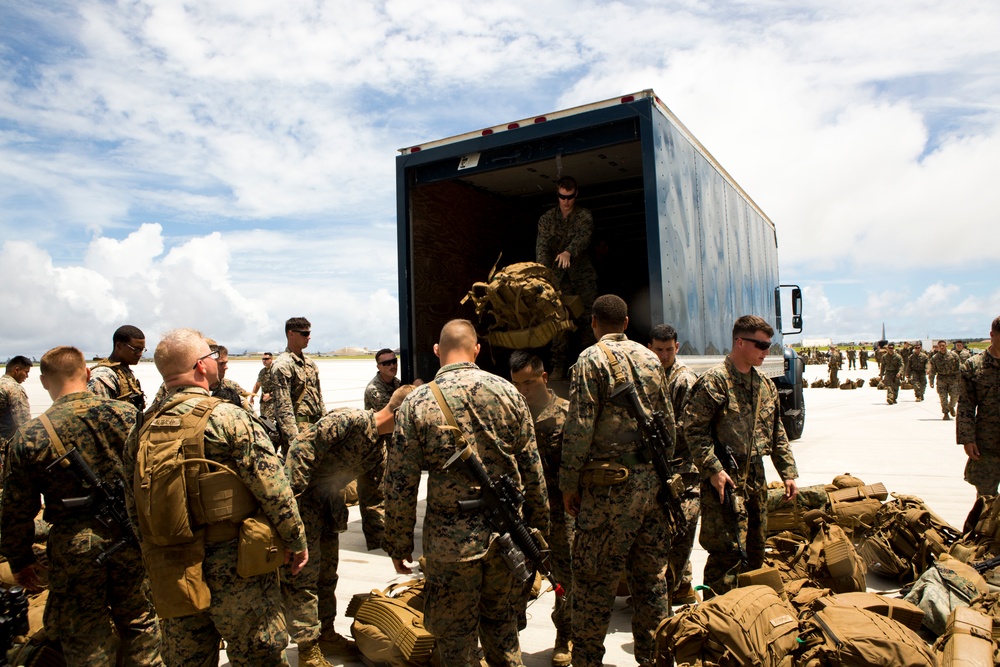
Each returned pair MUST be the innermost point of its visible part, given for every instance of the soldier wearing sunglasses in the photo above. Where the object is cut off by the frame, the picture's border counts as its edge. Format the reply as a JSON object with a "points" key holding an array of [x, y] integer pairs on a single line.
{"points": [[298, 399], [736, 406], [563, 245]]}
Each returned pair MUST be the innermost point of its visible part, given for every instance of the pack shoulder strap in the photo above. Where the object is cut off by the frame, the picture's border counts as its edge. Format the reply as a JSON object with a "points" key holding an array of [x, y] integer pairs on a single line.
{"points": [[616, 367], [57, 443]]}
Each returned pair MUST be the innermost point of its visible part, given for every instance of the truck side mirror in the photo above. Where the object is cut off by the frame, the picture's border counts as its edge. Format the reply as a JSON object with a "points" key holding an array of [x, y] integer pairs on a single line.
{"points": [[796, 299]]}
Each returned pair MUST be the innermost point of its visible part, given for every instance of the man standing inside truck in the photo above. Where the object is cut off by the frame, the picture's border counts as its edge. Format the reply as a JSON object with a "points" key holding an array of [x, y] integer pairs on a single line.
{"points": [[563, 245]]}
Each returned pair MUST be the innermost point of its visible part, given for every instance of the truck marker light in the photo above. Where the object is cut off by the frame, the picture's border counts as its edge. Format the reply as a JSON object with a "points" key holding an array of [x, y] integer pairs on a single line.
{"points": [[487, 132], [628, 98], [541, 119], [513, 126]]}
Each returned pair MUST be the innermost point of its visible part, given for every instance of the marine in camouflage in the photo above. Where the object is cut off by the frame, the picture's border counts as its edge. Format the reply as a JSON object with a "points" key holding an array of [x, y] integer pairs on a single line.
{"points": [[470, 591], [246, 612], [321, 461], [944, 369], [370, 497], [266, 389], [231, 392], [978, 420], [378, 392], [91, 609], [680, 380], [298, 398], [916, 371], [835, 363], [741, 410], [892, 365], [113, 379], [618, 528], [14, 410]]}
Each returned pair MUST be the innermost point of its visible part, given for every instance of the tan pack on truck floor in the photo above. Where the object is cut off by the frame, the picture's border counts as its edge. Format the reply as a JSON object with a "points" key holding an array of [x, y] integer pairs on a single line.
{"points": [[745, 626]]}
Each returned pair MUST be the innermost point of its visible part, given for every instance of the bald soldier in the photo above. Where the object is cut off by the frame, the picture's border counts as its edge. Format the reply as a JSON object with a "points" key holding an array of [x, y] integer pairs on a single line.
{"points": [[470, 593]]}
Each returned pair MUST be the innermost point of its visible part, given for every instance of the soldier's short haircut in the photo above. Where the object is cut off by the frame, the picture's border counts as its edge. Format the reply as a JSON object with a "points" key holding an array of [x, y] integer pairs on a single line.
{"points": [[942, 342], [519, 359], [18, 361], [663, 333], [397, 397], [610, 310], [178, 351], [995, 327], [223, 350], [567, 183], [384, 350], [457, 335], [751, 324], [296, 324], [127, 332], [63, 363]]}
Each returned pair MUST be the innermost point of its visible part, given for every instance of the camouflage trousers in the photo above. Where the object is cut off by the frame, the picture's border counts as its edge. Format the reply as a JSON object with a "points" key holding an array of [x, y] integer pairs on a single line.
{"points": [[919, 383], [681, 545], [91, 606], [947, 389], [717, 534], [469, 599], [891, 387], [984, 474], [267, 408], [619, 528], [833, 376], [246, 613], [560, 540], [310, 597], [371, 501]]}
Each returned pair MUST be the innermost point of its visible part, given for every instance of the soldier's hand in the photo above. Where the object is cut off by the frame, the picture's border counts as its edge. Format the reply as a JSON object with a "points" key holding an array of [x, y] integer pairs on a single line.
{"points": [[571, 503], [562, 259], [265, 397], [31, 578], [971, 450], [298, 559], [399, 564], [720, 481], [791, 489]]}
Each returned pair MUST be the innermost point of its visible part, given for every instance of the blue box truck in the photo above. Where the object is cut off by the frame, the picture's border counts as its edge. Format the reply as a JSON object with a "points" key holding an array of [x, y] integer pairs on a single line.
{"points": [[674, 234]]}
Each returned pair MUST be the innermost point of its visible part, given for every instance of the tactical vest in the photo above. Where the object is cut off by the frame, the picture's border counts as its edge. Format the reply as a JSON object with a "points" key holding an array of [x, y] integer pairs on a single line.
{"points": [[128, 386]]}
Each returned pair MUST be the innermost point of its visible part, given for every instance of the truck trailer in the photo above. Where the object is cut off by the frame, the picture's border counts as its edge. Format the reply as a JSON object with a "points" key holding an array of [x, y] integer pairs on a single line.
{"points": [[674, 234]]}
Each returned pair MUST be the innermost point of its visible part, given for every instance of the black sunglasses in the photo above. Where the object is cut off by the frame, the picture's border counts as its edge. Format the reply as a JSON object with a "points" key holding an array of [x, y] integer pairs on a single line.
{"points": [[759, 344], [562, 196], [388, 362], [301, 332]]}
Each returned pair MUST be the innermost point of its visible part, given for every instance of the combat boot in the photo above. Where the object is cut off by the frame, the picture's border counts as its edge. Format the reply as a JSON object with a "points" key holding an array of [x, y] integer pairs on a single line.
{"points": [[946, 417], [336, 644], [685, 594], [310, 655], [562, 654]]}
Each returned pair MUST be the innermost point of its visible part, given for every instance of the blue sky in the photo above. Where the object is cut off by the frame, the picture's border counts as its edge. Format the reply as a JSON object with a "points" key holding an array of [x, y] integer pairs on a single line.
{"points": [[226, 165]]}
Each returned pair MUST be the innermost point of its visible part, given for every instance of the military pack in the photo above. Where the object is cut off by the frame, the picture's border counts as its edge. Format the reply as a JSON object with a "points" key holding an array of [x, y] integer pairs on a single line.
{"points": [[388, 625], [845, 636]]}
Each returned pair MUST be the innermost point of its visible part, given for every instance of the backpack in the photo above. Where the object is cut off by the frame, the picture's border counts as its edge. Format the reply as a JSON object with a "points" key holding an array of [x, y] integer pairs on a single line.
{"points": [[745, 626], [389, 628], [967, 641], [905, 538], [846, 636], [827, 560], [528, 311]]}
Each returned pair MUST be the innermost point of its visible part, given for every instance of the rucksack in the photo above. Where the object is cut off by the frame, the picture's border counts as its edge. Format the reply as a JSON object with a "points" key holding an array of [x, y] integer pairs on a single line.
{"points": [[744, 626], [528, 311], [827, 559], [845, 636], [967, 641], [388, 625]]}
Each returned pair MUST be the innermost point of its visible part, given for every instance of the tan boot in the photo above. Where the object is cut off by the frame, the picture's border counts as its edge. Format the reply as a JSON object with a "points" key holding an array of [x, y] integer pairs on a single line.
{"points": [[685, 594], [310, 655], [562, 654], [336, 644]]}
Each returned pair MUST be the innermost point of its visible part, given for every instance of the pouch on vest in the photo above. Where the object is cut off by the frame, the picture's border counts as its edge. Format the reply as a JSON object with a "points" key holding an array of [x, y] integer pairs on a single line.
{"points": [[176, 579], [260, 549]]}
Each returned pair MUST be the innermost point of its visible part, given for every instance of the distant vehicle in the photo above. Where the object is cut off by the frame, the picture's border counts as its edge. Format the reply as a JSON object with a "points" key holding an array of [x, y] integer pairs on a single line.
{"points": [[680, 240]]}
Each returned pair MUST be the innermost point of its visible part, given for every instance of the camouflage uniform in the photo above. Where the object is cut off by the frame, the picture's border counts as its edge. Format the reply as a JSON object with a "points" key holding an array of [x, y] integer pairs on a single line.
{"points": [[113, 379], [680, 379], [91, 608], [371, 501], [266, 387], [231, 392], [298, 398], [14, 411], [321, 461], [863, 358], [835, 364], [618, 527], [378, 392], [549, 424], [741, 410], [556, 235], [979, 420], [945, 367], [916, 371], [852, 355], [245, 612], [892, 364], [469, 588], [964, 355]]}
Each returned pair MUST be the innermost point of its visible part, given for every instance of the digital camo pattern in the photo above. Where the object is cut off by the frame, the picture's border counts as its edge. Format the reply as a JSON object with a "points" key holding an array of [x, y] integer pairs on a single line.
{"points": [[112, 379], [618, 528], [496, 423], [680, 380], [266, 389], [378, 392], [549, 424], [89, 606], [14, 409], [916, 371], [231, 392], [297, 393], [246, 612], [944, 368], [944, 363], [892, 365], [741, 409], [978, 420]]}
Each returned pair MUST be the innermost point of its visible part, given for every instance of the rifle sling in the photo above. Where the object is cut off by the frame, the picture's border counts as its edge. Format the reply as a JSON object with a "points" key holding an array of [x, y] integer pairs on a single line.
{"points": [[57, 443]]}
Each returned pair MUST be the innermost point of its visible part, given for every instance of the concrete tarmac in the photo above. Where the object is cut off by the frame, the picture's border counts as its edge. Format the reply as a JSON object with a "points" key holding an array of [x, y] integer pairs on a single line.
{"points": [[906, 446]]}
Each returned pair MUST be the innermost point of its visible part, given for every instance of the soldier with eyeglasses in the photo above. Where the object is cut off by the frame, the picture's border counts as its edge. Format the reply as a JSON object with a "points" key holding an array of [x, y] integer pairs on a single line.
{"points": [[113, 377]]}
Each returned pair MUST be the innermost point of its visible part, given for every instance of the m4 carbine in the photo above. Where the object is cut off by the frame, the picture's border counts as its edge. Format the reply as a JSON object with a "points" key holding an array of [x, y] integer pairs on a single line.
{"points": [[106, 501], [500, 502], [725, 455], [655, 441]]}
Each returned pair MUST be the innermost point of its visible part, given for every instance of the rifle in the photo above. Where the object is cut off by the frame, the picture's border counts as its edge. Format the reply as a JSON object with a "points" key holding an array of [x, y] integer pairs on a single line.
{"points": [[500, 501], [725, 455], [107, 501], [982, 566], [655, 439]]}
